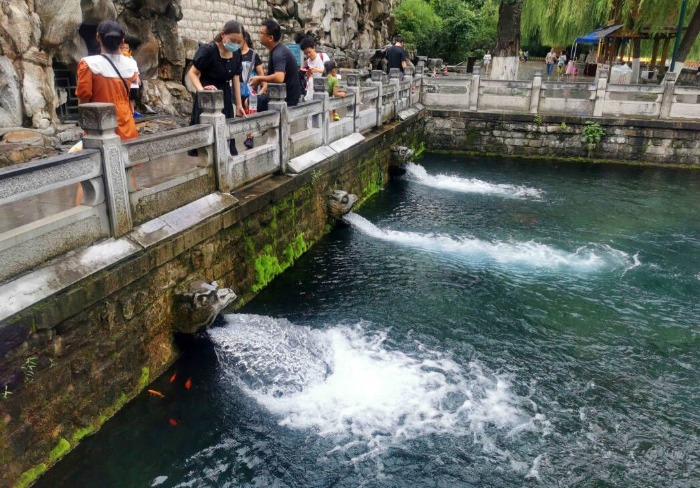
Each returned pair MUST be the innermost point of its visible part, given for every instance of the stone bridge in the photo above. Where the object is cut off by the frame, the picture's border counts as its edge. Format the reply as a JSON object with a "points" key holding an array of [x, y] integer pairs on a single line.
{"points": [[97, 246]]}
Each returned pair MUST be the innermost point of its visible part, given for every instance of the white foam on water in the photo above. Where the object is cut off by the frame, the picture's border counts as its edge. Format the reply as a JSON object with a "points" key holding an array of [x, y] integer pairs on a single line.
{"points": [[530, 253], [159, 480], [418, 174], [346, 385]]}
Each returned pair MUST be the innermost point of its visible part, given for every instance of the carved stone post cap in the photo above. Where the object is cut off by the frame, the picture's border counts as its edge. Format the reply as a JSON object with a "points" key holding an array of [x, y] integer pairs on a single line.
{"points": [[277, 91], [394, 73], [422, 58], [377, 75], [320, 84], [538, 73], [210, 101], [97, 117], [409, 71], [353, 79], [476, 70]]}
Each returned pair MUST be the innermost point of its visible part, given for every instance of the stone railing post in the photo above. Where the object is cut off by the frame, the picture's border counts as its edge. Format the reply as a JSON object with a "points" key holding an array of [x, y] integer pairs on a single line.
{"points": [[99, 121], [409, 74], [321, 93], [601, 88], [212, 104], [420, 72], [536, 92], [395, 79], [377, 76], [474, 89], [354, 87], [668, 97], [278, 94]]}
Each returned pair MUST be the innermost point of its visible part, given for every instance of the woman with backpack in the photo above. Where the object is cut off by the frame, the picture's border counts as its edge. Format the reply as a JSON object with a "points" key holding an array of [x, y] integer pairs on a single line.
{"points": [[107, 77]]}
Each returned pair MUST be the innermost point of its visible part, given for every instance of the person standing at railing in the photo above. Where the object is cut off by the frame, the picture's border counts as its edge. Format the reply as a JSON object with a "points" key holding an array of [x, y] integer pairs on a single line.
{"points": [[313, 66], [250, 63], [107, 77], [396, 56], [282, 67], [487, 63], [217, 66], [549, 61], [334, 88]]}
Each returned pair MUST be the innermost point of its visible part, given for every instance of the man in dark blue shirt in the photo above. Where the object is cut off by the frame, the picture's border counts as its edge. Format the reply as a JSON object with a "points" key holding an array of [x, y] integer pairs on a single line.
{"points": [[282, 68], [396, 56]]}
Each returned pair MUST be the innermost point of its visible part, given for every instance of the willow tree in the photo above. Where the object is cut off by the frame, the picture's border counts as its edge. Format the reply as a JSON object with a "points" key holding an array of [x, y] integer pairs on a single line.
{"points": [[505, 54], [558, 22]]}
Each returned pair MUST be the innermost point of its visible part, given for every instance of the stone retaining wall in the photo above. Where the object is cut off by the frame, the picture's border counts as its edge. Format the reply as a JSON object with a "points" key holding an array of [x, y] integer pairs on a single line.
{"points": [[650, 141], [102, 341]]}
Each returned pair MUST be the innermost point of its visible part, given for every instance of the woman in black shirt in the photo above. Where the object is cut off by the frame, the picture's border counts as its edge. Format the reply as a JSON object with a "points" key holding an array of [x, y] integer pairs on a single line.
{"points": [[217, 66]]}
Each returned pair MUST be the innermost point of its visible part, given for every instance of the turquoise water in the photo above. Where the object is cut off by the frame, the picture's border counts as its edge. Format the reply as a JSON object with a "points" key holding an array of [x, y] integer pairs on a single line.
{"points": [[479, 323]]}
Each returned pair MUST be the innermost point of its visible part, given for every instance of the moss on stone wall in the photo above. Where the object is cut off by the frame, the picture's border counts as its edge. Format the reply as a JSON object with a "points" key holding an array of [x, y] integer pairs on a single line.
{"points": [[267, 267], [59, 451], [30, 476]]}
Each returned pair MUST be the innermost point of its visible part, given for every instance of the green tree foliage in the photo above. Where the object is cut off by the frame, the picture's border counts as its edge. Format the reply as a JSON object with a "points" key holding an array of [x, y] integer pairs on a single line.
{"points": [[449, 29], [417, 22]]}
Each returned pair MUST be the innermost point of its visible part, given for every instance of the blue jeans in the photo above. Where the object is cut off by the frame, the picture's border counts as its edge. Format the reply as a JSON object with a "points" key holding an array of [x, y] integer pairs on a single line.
{"points": [[550, 68]]}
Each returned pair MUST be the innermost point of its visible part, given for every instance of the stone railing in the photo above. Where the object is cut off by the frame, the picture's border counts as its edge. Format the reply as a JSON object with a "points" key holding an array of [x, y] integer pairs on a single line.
{"points": [[587, 99], [117, 194]]}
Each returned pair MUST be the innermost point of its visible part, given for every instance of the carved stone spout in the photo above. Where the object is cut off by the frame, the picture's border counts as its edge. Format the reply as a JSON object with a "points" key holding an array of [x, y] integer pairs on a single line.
{"points": [[340, 202], [401, 154], [196, 308]]}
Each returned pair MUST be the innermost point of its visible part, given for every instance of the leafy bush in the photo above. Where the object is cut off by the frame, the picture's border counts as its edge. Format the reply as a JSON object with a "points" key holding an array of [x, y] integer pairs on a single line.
{"points": [[593, 132]]}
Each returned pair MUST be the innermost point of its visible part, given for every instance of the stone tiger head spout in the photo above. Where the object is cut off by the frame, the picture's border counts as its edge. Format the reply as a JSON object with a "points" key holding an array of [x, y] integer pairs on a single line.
{"points": [[196, 308], [340, 202]]}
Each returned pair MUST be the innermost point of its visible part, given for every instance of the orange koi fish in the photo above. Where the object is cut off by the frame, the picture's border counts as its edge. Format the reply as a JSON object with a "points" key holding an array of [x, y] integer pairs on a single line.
{"points": [[172, 378], [156, 393], [173, 422], [188, 383]]}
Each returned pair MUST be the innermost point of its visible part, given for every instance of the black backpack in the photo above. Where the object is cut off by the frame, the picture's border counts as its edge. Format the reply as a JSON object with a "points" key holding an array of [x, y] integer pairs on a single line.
{"points": [[302, 79]]}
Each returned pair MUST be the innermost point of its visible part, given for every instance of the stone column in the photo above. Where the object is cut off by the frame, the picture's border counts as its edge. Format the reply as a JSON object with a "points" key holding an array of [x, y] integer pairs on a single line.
{"points": [[278, 94], [420, 71], [99, 121], [212, 104], [395, 79], [536, 92], [474, 89], [601, 88], [377, 76], [354, 88], [409, 74], [321, 93], [668, 97]]}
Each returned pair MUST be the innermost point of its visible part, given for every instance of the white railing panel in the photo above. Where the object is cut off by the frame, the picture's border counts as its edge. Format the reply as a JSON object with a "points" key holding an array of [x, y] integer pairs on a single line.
{"points": [[156, 146], [30, 179], [686, 103]]}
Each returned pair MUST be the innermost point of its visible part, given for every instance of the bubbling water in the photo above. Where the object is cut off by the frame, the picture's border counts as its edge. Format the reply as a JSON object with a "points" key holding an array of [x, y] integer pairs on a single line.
{"points": [[529, 254], [418, 174], [343, 383]]}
